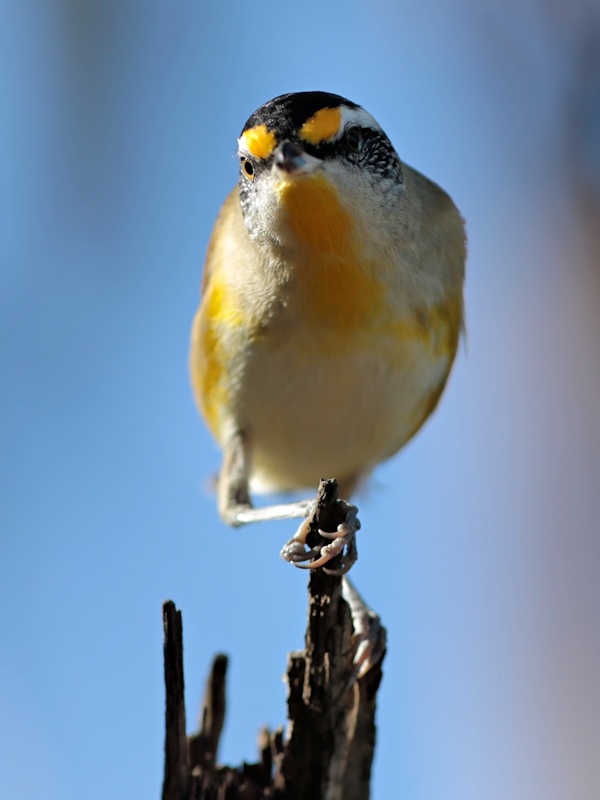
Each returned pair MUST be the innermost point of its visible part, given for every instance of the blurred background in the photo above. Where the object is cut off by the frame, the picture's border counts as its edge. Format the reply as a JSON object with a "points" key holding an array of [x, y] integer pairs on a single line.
{"points": [[480, 545]]}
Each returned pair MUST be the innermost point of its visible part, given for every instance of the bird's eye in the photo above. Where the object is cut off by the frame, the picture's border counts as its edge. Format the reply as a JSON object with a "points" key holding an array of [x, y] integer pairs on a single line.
{"points": [[354, 139], [247, 168]]}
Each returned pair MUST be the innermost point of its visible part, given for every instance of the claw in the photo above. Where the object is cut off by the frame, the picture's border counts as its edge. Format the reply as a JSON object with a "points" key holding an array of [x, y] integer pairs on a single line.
{"points": [[342, 530], [327, 552], [348, 560]]}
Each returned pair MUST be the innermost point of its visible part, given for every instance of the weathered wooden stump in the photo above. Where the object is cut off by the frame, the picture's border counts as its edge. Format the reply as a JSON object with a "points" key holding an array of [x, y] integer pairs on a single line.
{"points": [[328, 749]]}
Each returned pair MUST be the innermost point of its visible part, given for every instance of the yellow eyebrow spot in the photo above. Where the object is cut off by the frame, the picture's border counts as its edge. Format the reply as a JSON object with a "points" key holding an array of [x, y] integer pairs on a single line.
{"points": [[321, 126], [259, 141]]}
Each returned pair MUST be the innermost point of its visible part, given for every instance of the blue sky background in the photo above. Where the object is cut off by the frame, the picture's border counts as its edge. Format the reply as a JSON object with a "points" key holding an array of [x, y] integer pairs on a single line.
{"points": [[480, 542]]}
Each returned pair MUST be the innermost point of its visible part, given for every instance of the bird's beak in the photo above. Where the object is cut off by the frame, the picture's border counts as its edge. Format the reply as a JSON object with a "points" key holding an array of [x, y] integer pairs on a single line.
{"points": [[291, 159]]}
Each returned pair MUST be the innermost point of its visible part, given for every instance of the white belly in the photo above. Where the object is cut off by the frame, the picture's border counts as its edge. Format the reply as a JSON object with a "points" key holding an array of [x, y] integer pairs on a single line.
{"points": [[312, 409]]}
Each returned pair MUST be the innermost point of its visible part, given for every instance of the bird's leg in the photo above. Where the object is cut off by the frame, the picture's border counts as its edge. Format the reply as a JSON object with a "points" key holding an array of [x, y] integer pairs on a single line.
{"points": [[235, 505], [235, 508], [369, 633]]}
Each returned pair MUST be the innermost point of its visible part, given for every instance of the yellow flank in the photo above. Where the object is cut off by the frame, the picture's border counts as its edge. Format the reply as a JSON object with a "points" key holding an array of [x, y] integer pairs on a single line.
{"points": [[340, 288], [260, 141], [216, 316], [435, 331], [321, 126], [442, 325]]}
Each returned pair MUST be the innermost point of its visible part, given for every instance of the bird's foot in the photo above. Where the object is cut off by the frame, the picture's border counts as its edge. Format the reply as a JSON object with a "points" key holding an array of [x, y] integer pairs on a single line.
{"points": [[369, 634], [297, 550]]}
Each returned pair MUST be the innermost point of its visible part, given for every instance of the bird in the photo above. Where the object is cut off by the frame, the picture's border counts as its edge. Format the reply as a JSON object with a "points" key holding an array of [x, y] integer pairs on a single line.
{"points": [[330, 314]]}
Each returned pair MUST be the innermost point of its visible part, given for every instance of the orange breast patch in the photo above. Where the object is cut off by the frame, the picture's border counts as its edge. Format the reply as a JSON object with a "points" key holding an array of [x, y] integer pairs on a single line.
{"points": [[340, 287]]}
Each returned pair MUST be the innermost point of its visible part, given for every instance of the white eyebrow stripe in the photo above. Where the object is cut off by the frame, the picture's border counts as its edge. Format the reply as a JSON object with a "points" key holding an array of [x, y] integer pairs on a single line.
{"points": [[357, 116], [242, 147]]}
